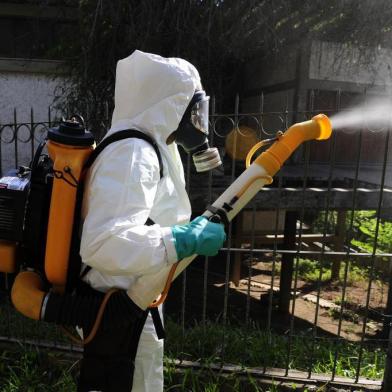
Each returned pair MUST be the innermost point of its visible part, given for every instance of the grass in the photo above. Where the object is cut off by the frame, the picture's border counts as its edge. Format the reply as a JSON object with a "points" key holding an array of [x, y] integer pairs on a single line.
{"points": [[208, 381], [29, 370], [248, 346], [255, 347]]}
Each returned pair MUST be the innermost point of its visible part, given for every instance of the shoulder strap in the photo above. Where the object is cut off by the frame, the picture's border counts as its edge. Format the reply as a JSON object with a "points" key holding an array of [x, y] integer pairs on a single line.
{"points": [[120, 135], [74, 269]]}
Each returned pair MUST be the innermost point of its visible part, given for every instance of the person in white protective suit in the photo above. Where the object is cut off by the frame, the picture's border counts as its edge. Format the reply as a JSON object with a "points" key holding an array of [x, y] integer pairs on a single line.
{"points": [[163, 98]]}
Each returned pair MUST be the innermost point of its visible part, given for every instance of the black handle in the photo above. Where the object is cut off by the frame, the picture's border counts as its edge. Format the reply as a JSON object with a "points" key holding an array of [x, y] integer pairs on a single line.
{"points": [[215, 218]]}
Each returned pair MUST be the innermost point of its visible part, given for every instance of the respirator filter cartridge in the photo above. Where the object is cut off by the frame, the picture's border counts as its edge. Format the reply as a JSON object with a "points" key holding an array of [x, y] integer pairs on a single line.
{"points": [[207, 159]]}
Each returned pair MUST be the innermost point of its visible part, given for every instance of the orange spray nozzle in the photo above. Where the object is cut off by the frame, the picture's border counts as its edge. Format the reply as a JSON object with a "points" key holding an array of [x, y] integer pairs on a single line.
{"points": [[318, 128]]}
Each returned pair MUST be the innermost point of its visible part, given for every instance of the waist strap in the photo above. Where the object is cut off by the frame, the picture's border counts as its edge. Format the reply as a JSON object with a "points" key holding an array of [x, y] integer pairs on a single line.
{"points": [[158, 325]]}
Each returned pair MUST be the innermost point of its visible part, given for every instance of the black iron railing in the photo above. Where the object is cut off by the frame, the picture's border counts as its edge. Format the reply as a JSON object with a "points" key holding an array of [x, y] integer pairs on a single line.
{"points": [[305, 272]]}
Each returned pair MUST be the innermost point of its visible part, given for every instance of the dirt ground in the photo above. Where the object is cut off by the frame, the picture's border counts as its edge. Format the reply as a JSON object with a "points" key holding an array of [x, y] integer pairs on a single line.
{"points": [[251, 299], [330, 296]]}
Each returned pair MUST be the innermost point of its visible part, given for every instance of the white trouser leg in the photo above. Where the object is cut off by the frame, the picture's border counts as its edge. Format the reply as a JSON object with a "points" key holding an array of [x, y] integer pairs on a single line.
{"points": [[148, 376]]}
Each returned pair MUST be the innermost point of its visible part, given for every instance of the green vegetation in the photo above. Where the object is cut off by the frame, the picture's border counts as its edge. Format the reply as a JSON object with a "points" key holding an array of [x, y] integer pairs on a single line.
{"points": [[366, 233], [30, 369], [310, 270], [364, 227], [254, 347], [346, 315], [363, 230], [209, 381]]}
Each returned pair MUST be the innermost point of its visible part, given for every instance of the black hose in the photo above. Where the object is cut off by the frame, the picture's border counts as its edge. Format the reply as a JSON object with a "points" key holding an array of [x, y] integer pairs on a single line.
{"points": [[80, 310]]}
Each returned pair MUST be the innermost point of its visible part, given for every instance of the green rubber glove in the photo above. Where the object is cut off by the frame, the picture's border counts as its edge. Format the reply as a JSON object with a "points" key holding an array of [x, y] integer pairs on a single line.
{"points": [[200, 237]]}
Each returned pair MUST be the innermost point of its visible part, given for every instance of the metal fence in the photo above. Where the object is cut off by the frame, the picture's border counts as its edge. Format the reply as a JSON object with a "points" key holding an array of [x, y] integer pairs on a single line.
{"points": [[301, 290]]}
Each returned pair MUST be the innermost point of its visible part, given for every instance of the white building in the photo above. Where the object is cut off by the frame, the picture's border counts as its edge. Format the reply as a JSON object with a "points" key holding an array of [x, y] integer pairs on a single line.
{"points": [[29, 77]]}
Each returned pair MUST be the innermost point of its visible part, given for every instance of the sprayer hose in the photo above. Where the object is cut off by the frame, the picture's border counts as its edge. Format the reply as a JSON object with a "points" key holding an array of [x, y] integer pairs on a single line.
{"points": [[91, 312], [162, 298], [96, 325]]}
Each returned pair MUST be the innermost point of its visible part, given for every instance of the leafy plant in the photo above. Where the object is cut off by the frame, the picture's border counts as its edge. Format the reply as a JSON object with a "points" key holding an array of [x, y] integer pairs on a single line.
{"points": [[309, 270], [366, 226]]}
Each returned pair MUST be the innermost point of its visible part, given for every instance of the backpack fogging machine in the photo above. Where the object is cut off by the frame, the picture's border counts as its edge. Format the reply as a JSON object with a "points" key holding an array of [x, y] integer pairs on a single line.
{"points": [[36, 241], [38, 210]]}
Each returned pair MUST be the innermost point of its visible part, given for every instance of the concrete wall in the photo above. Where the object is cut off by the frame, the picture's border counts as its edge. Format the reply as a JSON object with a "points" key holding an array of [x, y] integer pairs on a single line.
{"points": [[25, 85], [25, 92], [342, 63]]}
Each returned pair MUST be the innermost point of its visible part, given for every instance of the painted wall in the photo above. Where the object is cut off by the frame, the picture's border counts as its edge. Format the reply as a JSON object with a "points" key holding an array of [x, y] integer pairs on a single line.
{"points": [[25, 86], [26, 91], [342, 63]]}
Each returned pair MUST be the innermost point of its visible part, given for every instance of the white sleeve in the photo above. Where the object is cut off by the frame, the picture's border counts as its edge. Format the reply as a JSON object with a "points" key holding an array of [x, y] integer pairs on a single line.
{"points": [[120, 193]]}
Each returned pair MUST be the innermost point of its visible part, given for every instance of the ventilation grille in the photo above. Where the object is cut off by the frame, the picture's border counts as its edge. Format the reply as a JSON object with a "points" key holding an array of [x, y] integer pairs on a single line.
{"points": [[12, 208]]}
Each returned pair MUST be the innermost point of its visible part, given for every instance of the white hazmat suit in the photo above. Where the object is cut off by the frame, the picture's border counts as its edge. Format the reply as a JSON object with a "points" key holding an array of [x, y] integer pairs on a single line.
{"points": [[124, 189]]}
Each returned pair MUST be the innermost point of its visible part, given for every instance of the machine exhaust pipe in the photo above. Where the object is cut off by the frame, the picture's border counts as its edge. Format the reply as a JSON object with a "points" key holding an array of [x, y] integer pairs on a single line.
{"points": [[27, 294]]}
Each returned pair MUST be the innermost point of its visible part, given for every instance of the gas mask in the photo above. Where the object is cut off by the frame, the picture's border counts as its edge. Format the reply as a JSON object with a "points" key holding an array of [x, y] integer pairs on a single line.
{"points": [[192, 134]]}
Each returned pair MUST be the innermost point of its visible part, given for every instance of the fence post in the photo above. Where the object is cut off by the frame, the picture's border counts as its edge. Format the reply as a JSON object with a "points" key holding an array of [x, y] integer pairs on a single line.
{"points": [[286, 271], [387, 380], [388, 308], [340, 232]]}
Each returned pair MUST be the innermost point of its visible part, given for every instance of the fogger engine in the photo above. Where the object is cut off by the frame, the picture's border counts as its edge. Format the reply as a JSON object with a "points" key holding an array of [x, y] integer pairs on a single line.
{"points": [[13, 196], [14, 189], [24, 208]]}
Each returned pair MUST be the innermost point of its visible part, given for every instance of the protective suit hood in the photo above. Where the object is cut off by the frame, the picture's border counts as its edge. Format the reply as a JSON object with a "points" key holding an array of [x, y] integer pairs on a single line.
{"points": [[152, 93]]}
